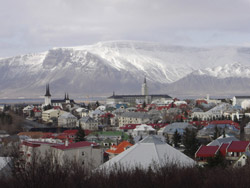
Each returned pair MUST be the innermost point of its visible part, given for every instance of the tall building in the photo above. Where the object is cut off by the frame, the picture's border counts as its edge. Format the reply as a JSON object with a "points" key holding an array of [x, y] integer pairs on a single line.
{"points": [[144, 97], [47, 96], [144, 88]]}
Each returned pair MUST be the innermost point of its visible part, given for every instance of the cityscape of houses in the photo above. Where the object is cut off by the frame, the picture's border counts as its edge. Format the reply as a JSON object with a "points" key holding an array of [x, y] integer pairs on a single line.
{"points": [[134, 129]]}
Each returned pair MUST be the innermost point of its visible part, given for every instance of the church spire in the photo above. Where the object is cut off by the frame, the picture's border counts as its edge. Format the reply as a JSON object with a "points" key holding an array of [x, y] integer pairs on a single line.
{"points": [[145, 81], [47, 94]]}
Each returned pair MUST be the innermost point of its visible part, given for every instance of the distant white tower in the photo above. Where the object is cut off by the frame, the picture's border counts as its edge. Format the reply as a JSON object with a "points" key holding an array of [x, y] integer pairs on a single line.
{"points": [[67, 99], [47, 96], [144, 88]]}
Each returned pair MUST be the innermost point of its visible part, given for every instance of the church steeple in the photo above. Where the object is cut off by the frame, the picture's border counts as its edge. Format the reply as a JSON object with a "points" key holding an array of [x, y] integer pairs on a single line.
{"points": [[47, 94], [67, 98]]}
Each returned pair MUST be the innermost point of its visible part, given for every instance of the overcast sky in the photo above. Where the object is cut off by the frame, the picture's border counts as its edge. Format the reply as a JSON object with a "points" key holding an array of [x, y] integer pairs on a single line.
{"points": [[38, 25]]}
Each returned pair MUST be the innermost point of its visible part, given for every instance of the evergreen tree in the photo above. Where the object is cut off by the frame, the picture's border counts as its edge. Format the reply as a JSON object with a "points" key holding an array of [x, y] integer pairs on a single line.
{"points": [[167, 139], [195, 118], [80, 135], [97, 104], [217, 161], [131, 139], [176, 138], [224, 133], [236, 119], [216, 132], [190, 142], [144, 105]]}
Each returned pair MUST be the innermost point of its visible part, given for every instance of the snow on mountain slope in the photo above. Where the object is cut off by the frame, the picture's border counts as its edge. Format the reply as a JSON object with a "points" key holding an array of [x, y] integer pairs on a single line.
{"points": [[228, 70], [119, 66]]}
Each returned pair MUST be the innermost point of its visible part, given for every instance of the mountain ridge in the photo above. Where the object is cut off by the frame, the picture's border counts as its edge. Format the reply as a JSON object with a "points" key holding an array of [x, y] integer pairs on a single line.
{"points": [[119, 66]]}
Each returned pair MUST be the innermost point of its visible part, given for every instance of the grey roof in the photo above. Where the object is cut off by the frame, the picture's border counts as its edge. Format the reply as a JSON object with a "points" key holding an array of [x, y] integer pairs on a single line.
{"points": [[136, 96], [179, 126], [220, 141], [141, 115], [196, 109], [67, 115], [86, 119], [152, 139], [61, 101], [150, 151]]}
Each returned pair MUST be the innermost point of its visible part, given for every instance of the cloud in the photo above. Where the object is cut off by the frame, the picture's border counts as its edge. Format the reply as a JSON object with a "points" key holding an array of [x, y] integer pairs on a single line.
{"points": [[38, 25]]}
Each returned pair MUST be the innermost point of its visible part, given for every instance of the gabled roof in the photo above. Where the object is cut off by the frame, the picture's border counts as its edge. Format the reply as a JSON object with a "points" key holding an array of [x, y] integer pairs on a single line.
{"points": [[144, 127], [87, 119], [238, 146], [220, 141], [179, 126], [151, 150], [120, 148], [223, 149], [207, 151], [67, 115], [75, 145]]}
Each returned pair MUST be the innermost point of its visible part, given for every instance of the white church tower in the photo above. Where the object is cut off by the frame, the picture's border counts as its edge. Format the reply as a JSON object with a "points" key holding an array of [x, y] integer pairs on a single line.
{"points": [[47, 96], [144, 88]]}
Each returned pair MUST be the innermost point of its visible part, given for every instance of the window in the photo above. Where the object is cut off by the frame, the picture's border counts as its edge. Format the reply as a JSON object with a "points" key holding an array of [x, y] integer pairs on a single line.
{"points": [[239, 163], [83, 153]]}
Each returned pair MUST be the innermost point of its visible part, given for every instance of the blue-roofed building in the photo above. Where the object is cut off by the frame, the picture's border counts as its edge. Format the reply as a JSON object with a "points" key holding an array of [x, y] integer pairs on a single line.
{"points": [[121, 106]]}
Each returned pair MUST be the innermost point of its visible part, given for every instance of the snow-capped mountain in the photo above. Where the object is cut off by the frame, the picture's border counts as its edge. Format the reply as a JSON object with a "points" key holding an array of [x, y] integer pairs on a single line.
{"points": [[118, 66], [226, 71]]}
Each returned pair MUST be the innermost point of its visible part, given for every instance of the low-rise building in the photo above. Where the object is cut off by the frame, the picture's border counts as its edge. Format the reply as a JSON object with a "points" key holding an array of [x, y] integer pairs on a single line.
{"points": [[133, 118], [117, 149], [235, 153], [84, 153], [48, 115], [67, 120], [88, 123]]}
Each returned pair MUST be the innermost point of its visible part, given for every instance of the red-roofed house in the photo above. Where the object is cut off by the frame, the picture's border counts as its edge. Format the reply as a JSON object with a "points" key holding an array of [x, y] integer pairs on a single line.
{"points": [[230, 122], [85, 153], [235, 153], [115, 150], [205, 152], [198, 102]]}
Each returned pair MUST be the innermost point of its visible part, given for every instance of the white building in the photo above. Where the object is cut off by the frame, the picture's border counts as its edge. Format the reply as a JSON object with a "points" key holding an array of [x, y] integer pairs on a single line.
{"points": [[143, 130], [133, 118], [237, 100], [67, 120], [84, 153], [48, 115], [88, 123]]}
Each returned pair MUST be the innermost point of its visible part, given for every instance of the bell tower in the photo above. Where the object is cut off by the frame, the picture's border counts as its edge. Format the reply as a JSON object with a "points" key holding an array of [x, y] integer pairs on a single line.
{"points": [[144, 88], [47, 96]]}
